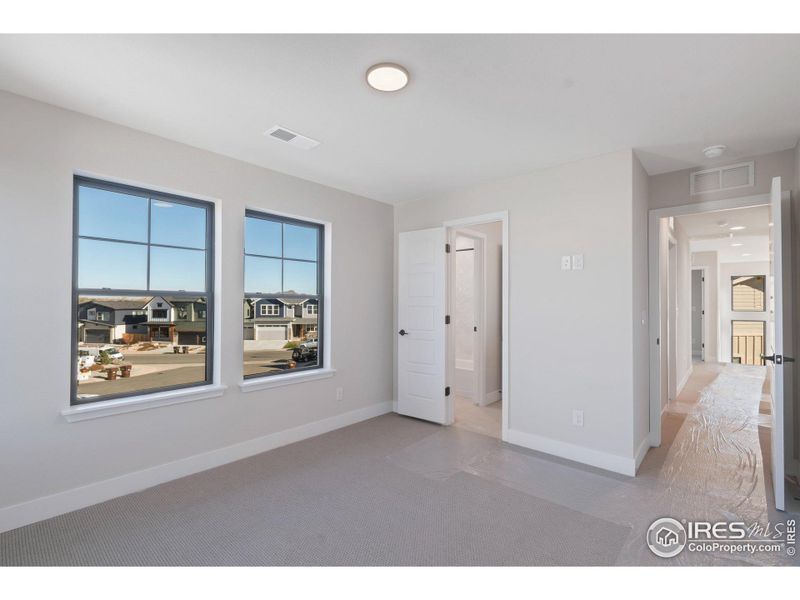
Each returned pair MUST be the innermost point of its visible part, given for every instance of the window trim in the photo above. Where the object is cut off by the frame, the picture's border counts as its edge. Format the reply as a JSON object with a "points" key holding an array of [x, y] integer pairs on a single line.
{"points": [[324, 366], [263, 312], [764, 292], [212, 264]]}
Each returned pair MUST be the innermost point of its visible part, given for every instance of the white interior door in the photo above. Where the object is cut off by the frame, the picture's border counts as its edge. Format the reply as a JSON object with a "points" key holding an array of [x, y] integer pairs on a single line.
{"points": [[775, 358], [421, 356]]}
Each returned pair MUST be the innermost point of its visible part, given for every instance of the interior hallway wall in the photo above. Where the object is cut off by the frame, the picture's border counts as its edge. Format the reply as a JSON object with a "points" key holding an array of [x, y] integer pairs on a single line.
{"points": [[710, 260], [41, 147], [697, 315], [493, 329], [581, 207], [684, 318], [464, 317], [640, 196]]}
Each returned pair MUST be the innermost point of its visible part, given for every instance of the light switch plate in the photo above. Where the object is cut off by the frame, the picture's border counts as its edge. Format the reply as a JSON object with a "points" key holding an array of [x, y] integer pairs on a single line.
{"points": [[577, 262], [566, 263]]}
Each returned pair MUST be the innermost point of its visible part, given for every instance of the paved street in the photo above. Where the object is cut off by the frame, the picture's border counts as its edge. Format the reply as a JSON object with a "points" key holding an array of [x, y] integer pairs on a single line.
{"points": [[255, 362]]}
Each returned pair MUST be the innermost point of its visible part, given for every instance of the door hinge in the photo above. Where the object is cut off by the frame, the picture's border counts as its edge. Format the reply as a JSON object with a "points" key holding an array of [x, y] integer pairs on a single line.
{"points": [[447, 391], [658, 341], [447, 248], [447, 319]]}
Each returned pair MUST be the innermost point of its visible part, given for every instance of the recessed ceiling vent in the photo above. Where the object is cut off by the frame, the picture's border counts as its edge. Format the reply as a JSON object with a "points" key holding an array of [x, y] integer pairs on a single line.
{"points": [[291, 137], [729, 177]]}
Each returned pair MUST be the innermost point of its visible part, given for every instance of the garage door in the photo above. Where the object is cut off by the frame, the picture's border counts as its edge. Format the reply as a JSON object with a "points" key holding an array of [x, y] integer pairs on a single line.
{"points": [[270, 332], [190, 338], [97, 336]]}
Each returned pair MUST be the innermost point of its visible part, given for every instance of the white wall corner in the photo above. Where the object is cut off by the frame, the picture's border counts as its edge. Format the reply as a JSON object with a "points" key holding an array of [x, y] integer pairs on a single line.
{"points": [[641, 451], [45, 507]]}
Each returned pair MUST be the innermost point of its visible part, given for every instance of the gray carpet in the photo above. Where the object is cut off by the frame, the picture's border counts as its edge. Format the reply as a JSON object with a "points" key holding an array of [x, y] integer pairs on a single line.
{"points": [[350, 497]]}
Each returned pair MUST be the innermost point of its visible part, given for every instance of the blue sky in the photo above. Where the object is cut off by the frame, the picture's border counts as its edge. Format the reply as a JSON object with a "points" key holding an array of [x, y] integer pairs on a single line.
{"points": [[117, 265], [263, 275], [124, 266]]}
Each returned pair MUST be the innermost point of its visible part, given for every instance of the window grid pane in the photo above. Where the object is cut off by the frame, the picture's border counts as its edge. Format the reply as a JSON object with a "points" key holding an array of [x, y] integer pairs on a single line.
{"points": [[281, 329], [143, 280]]}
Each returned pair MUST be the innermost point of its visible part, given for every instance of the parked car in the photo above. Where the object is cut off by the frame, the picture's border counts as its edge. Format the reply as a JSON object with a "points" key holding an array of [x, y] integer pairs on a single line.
{"points": [[309, 343], [303, 353], [85, 360], [112, 352]]}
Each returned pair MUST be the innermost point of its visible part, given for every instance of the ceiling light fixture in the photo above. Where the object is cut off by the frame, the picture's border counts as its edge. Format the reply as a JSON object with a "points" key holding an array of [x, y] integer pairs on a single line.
{"points": [[387, 77], [738, 228], [714, 151]]}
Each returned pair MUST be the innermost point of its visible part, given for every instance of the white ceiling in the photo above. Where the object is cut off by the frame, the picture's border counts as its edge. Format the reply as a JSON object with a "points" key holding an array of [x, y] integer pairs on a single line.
{"points": [[706, 232], [755, 220], [478, 106]]}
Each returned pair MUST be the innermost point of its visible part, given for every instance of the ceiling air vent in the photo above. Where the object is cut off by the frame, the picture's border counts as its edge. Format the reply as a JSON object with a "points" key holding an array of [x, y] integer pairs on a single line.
{"points": [[718, 179], [291, 137]]}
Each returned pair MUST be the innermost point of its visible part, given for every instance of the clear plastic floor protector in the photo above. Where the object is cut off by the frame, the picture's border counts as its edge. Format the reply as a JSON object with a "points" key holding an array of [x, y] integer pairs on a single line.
{"points": [[712, 470]]}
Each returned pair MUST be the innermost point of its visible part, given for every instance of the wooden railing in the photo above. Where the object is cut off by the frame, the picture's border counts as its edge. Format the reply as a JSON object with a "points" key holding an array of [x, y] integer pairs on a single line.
{"points": [[747, 349]]}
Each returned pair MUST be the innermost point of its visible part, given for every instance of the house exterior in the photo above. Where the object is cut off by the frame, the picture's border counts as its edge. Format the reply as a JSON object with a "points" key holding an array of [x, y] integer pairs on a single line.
{"points": [[180, 321], [112, 321], [280, 318]]}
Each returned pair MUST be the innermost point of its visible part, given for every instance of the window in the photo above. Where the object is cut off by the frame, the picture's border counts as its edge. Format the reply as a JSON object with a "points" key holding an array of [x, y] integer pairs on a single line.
{"points": [[270, 310], [312, 309], [747, 293], [282, 263], [747, 342], [134, 249]]}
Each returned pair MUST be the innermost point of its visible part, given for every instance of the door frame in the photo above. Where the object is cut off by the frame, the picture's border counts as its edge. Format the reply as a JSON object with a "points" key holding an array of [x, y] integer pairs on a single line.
{"points": [[464, 223], [654, 311], [479, 310], [704, 311]]}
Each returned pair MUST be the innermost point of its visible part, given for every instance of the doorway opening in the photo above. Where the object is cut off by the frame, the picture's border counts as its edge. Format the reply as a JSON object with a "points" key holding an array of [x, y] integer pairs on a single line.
{"points": [[475, 340], [718, 313]]}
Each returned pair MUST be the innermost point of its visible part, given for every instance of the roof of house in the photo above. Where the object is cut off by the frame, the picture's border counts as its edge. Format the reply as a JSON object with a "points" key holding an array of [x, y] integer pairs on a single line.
{"points": [[118, 304]]}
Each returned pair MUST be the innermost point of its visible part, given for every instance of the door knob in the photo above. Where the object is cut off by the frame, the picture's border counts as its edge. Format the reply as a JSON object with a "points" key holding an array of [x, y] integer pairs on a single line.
{"points": [[403, 332], [778, 359]]}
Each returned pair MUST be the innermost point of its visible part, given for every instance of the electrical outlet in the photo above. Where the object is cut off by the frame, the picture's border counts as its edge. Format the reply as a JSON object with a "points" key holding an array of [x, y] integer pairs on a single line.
{"points": [[577, 262], [577, 418], [566, 263], [339, 394]]}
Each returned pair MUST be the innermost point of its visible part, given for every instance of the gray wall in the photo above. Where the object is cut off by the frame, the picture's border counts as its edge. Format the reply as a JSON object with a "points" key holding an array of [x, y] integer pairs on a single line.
{"points": [[672, 189], [570, 331], [40, 453]]}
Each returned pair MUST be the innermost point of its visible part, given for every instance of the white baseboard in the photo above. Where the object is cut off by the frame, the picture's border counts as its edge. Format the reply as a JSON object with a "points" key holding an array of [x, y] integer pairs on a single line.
{"points": [[684, 379], [46, 507], [641, 451], [491, 398], [581, 454]]}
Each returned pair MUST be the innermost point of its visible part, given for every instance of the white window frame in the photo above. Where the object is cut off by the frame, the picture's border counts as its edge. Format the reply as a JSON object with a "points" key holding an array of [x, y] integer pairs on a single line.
{"points": [[270, 310], [312, 313], [215, 389]]}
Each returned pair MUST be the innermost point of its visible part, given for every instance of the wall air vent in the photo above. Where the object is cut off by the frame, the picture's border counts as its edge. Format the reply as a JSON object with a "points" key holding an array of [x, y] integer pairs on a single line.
{"points": [[718, 179], [291, 137]]}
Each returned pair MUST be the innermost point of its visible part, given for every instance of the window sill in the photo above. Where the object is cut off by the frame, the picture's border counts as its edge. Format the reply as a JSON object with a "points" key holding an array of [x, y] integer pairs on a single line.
{"points": [[265, 383], [96, 410]]}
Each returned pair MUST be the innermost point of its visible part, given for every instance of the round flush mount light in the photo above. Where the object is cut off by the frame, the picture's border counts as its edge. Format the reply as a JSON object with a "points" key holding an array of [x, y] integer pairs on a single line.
{"points": [[714, 151], [387, 77], [737, 228]]}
